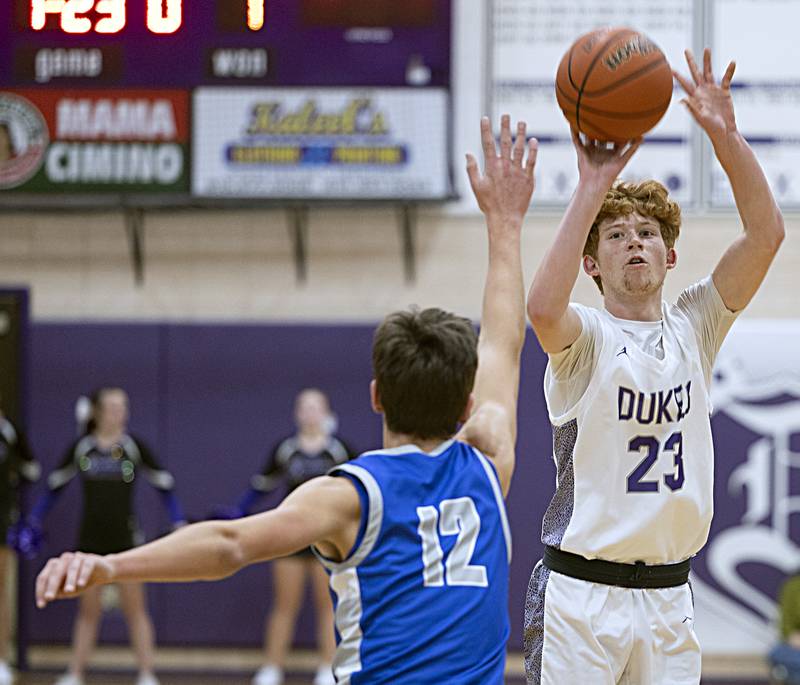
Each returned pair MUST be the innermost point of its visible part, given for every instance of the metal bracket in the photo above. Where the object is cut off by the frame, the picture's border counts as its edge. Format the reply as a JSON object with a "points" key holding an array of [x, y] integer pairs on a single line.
{"points": [[134, 228], [298, 216], [408, 231]]}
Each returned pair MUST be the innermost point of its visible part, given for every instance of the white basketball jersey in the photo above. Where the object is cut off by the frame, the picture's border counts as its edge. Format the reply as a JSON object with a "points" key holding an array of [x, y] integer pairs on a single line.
{"points": [[629, 403]]}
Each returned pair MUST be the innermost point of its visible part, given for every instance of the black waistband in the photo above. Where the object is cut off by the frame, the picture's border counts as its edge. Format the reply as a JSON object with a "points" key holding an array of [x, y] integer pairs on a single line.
{"points": [[637, 575]]}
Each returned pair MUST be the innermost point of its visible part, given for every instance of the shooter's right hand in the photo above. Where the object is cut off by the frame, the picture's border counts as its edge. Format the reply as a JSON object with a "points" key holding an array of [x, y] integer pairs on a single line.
{"points": [[601, 163]]}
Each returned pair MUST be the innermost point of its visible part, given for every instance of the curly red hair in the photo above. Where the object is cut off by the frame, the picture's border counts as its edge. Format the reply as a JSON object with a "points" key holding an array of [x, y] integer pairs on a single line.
{"points": [[648, 198]]}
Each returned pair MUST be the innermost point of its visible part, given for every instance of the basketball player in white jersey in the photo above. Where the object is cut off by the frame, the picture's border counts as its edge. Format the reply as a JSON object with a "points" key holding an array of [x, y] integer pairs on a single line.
{"points": [[627, 389]]}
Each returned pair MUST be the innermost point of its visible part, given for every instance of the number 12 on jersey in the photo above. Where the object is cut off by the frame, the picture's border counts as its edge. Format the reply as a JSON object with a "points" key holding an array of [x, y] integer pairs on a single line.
{"points": [[453, 517]]}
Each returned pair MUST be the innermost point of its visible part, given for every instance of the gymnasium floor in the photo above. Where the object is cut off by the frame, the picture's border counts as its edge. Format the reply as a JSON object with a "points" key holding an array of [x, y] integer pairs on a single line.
{"points": [[243, 679], [197, 666]]}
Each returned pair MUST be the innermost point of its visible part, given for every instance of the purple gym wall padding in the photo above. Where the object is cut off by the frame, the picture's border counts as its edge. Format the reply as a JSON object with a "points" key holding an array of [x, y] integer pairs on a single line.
{"points": [[211, 401]]}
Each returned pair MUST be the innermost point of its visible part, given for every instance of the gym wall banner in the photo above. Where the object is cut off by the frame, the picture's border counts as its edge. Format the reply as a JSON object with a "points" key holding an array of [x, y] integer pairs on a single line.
{"points": [[754, 543], [320, 143], [94, 141]]}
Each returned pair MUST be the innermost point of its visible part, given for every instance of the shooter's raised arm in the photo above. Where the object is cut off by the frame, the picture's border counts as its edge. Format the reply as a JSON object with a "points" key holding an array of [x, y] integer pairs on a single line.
{"points": [[555, 324], [742, 268]]}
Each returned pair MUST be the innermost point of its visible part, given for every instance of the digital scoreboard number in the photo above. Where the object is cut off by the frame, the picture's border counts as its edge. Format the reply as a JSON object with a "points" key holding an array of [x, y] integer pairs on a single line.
{"points": [[191, 43], [111, 16], [164, 17]]}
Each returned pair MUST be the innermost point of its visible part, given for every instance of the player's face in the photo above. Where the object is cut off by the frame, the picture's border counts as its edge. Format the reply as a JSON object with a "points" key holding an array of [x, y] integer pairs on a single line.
{"points": [[311, 411], [113, 411], [632, 258]]}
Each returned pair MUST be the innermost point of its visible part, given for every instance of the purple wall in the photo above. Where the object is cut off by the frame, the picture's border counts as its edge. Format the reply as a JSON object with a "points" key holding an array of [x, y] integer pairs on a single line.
{"points": [[211, 400]]}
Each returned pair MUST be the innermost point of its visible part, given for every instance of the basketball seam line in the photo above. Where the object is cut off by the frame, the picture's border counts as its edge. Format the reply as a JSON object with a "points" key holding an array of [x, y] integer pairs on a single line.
{"points": [[630, 77], [569, 70], [629, 115], [591, 66], [617, 115]]}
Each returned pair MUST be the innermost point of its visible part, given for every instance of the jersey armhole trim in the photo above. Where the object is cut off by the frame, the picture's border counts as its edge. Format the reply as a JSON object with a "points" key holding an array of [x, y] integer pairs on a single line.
{"points": [[491, 474], [374, 519], [338, 451], [132, 449]]}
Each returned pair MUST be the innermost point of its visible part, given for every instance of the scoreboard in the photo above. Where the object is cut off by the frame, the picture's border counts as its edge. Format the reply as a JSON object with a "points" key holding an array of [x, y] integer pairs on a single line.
{"points": [[187, 43], [261, 99]]}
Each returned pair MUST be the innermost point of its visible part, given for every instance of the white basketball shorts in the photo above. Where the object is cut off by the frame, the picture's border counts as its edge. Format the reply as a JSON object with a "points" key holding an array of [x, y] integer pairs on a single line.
{"points": [[583, 633]]}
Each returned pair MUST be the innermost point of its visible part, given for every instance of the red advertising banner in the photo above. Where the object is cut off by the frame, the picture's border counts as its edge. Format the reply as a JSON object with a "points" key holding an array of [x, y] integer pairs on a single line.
{"points": [[94, 141]]}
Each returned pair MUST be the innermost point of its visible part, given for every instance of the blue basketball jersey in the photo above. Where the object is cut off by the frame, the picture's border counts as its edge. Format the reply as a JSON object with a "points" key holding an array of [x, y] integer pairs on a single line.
{"points": [[423, 596]]}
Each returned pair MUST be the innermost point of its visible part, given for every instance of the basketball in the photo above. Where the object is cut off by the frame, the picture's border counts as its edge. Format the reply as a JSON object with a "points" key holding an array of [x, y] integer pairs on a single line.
{"points": [[614, 84]]}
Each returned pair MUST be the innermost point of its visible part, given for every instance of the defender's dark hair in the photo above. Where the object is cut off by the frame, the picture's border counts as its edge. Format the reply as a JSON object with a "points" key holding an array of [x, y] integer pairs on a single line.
{"points": [[424, 363]]}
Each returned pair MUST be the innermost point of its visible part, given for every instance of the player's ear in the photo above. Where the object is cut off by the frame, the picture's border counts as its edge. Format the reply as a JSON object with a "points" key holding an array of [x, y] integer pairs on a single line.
{"points": [[468, 409], [374, 398], [672, 258], [590, 266]]}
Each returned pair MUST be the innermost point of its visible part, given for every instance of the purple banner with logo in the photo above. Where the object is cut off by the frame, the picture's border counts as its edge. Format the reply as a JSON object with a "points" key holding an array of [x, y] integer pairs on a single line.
{"points": [[753, 542]]}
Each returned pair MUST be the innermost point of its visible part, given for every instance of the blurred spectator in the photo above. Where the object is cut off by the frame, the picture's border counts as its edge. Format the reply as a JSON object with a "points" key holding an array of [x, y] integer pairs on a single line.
{"points": [[108, 461], [785, 657], [312, 451], [17, 467]]}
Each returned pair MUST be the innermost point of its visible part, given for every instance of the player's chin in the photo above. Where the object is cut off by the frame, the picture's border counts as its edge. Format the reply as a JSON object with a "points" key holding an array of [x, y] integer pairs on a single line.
{"points": [[641, 281]]}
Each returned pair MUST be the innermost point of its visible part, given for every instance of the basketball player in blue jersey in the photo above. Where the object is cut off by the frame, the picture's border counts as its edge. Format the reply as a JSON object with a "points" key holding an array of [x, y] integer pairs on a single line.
{"points": [[414, 535], [627, 389]]}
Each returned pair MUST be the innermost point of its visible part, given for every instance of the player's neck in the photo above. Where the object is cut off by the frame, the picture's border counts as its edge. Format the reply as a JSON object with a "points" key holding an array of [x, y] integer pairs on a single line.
{"points": [[391, 439], [312, 441], [312, 435], [108, 436], [634, 308]]}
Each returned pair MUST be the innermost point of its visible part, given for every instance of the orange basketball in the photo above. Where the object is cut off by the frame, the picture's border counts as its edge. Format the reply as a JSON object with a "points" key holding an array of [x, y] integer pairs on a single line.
{"points": [[614, 84]]}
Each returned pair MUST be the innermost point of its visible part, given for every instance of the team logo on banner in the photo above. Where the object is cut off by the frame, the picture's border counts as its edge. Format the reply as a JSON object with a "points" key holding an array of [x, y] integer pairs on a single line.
{"points": [[23, 140], [753, 542]]}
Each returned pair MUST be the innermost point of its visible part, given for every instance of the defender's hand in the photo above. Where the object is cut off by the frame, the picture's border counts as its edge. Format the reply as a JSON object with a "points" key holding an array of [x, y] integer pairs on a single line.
{"points": [[506, 186], [709, 102], [70, 574]]}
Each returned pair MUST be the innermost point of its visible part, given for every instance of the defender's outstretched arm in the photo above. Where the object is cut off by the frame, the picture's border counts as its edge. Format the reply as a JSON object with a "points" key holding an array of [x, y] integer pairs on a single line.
{"points": [[324, 511], [503, 192]]}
